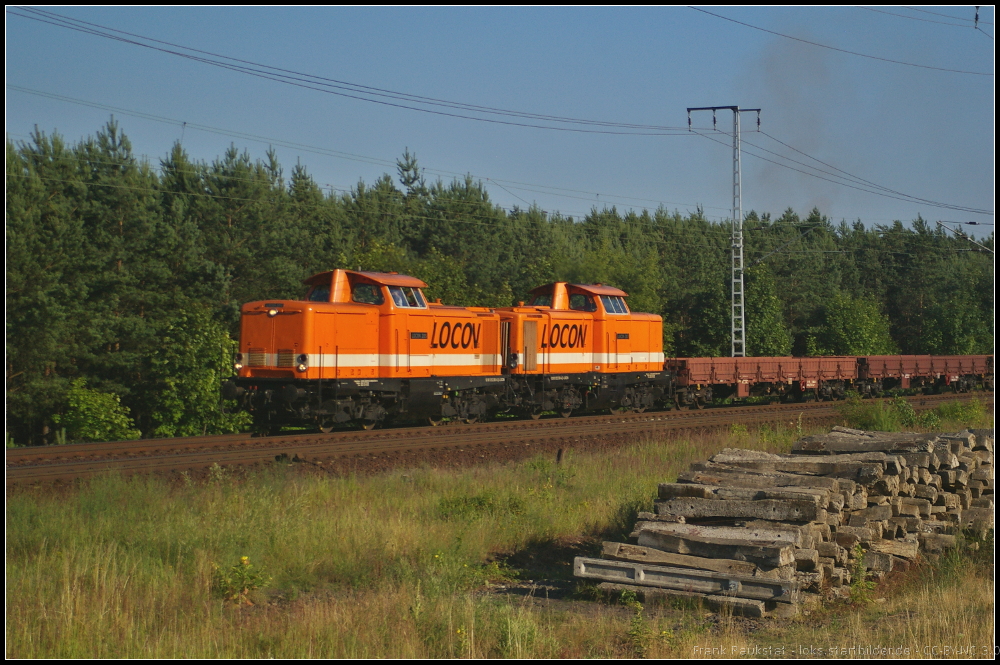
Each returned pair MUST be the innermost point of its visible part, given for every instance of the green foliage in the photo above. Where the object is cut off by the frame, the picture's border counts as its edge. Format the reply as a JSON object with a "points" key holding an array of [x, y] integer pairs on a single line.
{"points": [[92, 415], [195, 356], [767, 334], [639, 636], [489, 504], [861, 586], [130, 275], [853, 326], [968, 414], [237, 582], [899, 414]]}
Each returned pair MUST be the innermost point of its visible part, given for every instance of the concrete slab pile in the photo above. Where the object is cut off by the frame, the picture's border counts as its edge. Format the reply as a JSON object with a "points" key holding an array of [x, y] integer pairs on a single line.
{"points": [[764, 534]]}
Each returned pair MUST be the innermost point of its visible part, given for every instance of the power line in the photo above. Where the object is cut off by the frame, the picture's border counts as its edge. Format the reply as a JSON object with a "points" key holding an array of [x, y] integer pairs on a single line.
{"points": [[513, 184], [347, 89], [850, 186], [861, 180], [840, 50], [915, 18], [512, 222], [957, 18], [965, 237]]}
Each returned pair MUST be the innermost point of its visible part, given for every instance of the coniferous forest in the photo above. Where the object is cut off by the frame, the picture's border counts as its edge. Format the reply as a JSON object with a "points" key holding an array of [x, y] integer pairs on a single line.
{"points": [[125, 278]]}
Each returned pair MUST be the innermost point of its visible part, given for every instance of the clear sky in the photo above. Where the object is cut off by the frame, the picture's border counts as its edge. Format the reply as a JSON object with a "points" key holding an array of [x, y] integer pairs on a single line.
{"points": [[917, 131]]}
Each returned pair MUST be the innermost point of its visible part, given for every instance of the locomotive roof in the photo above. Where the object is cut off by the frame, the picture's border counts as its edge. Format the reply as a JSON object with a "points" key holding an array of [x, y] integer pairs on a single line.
{"points": [[594, 289], [385, 278]]}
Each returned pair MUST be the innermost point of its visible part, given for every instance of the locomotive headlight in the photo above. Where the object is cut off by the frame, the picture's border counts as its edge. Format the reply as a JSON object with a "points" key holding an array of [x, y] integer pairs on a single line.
{"points": [[272, 312], [238, 364], [303, 362]]}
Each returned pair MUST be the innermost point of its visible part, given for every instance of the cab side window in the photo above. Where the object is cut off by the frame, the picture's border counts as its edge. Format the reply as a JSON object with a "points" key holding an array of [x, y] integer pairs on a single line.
{"points": [[369, 294], [581, 302], [320, 294], [542, 300]]}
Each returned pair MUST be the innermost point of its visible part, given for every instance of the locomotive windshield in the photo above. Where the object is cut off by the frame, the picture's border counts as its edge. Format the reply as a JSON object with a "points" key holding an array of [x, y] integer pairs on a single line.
{"points": [[614, 304], [406, 296]]}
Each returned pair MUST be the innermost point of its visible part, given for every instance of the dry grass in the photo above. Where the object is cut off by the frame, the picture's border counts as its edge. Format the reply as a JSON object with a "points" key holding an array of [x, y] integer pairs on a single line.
{"points": [[396, 565]]}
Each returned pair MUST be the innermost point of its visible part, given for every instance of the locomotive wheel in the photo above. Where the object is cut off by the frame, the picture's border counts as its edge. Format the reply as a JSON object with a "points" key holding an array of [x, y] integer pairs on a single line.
{"points": [[536, 414], [640, 409], [616, 412], [326, 426], [566, 413], [435, 423], [471, 420], [369, 424]]}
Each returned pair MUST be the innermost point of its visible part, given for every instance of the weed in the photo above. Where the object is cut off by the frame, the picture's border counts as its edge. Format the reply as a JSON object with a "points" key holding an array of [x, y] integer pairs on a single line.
{"points": [[236, 583], [965, 413], [639, 636], [216, 473], [738, 429], [861, 587], [492, 504], [517, 630]]}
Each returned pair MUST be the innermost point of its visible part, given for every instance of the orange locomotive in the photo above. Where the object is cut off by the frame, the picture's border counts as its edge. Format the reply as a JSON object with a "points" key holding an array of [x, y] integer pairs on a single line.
{"points": [[367, 347]]}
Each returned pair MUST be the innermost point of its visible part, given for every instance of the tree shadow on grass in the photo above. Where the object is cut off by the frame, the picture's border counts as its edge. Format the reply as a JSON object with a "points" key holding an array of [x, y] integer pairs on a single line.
{"points": [[544, 567]]}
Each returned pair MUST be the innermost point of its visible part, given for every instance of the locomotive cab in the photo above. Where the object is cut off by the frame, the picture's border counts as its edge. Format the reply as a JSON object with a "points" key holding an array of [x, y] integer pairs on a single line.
{"points": [[364, 346], [577, 346]]}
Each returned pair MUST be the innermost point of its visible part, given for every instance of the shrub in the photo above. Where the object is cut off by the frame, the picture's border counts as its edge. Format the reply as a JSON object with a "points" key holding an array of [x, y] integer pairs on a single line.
{"points": [[95, 416]]}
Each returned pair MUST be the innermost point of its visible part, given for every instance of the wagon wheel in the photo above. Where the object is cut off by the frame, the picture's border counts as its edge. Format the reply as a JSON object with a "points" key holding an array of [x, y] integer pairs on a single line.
{"points": [[640, 409], [536, 413], [565, 413], [471, 420], [327, 426], [677, 401], [369, 424], [435, 422], [617, 412], [699, 403]]}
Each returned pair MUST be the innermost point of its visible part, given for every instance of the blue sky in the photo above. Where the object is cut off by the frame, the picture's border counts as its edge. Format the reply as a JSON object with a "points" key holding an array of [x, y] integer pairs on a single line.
{"points": [[921, 132]]}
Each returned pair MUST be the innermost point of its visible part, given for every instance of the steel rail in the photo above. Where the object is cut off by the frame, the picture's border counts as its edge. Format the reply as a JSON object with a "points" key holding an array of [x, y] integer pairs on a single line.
{"points": [[58, 463]]}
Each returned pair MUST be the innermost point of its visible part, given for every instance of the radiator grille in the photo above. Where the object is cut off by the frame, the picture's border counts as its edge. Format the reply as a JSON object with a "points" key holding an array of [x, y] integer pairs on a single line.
{"points": [[286, 357], [255, 358]]}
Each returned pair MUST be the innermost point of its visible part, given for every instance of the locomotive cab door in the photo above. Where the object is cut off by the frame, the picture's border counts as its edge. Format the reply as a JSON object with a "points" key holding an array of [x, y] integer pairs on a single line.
{"points": [[530, 346]]}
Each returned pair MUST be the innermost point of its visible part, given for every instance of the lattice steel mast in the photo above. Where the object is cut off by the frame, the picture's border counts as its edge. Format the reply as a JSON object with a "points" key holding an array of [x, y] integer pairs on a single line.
{"points": [[738, 328]]}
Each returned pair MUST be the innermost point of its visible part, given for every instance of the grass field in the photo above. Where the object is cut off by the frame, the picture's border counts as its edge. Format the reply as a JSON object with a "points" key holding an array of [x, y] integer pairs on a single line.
{"points": [[417, 563]]}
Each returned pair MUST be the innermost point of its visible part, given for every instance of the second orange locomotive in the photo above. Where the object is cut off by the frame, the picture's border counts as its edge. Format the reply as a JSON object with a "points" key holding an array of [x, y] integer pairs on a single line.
{"points": [[367, 347]]}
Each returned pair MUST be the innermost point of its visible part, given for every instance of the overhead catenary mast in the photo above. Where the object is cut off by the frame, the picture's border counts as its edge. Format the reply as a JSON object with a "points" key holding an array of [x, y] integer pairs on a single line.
{"points": [[738, 328]]}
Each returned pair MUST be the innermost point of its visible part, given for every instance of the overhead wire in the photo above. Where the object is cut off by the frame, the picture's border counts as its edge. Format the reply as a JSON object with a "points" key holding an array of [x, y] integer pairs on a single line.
{"points": [[343, 88], [548, 190], [513, 222], [914, 18], [859, 179], [908, 199], [840, 50], [542, 189], [957, 18], [514, 184]]}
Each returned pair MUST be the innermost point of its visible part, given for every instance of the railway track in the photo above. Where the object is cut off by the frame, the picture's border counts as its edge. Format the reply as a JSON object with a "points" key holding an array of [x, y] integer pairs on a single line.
{"points": [[390, 447]]}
